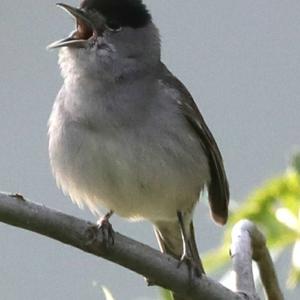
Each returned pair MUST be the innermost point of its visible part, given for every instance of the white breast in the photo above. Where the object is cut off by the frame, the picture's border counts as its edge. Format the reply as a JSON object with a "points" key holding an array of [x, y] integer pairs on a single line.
{"points": [[104, 152]]}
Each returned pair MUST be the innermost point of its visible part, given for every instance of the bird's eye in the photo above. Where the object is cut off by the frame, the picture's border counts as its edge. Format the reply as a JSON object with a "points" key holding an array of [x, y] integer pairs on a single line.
{"points": [[113, 26]]}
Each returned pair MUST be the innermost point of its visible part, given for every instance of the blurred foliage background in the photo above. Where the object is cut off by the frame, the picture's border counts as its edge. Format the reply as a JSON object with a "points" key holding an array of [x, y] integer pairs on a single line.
{"points": [[275, 209]]}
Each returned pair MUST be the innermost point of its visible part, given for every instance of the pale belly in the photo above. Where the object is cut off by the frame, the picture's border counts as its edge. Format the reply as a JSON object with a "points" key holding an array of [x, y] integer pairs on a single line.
{"points": [[136, 175]]}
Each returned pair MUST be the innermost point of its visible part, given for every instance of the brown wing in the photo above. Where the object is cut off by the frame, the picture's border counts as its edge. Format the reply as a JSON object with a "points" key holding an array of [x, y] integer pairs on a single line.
{"points": [[218, 190]]}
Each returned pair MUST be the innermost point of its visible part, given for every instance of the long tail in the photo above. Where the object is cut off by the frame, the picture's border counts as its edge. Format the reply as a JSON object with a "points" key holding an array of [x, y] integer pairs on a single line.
{"points": [[170, 241]]}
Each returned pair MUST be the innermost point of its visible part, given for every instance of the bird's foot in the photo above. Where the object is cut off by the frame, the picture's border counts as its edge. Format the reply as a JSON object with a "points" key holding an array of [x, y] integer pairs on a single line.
{"points": [[149, 282], [17, 196], [106, 228], [193, 268]]}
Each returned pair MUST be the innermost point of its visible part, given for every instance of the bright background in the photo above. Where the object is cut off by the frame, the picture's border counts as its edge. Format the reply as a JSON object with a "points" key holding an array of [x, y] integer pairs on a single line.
{"points": [[241, 62]]}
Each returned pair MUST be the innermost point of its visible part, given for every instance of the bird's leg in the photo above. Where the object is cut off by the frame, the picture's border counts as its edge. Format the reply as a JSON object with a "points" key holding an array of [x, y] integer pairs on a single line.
{"points": [[185, 255], [186, 249], [106, 228]]}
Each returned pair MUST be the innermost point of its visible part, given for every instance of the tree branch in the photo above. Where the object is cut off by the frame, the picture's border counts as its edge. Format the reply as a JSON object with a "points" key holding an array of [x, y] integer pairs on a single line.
{"points": [[158, 268], [249, 243]]}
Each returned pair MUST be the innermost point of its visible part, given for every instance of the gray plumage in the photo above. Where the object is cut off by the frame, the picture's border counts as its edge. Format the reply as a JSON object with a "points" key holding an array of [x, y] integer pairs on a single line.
{"points": [[125, 134]]}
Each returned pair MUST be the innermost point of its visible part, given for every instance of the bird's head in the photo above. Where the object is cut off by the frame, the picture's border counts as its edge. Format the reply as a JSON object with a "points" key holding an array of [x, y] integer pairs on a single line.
{"points": [[111, 38]]}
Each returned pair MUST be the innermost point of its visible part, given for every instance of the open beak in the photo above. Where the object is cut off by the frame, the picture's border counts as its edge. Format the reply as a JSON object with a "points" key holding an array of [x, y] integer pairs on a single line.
{"points": [[84, 29]]}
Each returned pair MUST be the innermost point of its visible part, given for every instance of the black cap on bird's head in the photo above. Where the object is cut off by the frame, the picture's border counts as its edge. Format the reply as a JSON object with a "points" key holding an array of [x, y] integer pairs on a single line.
{"points": [[115, 14], [127, 13]]}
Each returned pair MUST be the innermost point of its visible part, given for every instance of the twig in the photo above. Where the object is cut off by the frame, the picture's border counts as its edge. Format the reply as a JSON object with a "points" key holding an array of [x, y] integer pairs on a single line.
{"points": [[249, 243]]}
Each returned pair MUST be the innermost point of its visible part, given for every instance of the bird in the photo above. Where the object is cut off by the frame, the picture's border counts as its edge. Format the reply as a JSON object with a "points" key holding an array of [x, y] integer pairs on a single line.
{"points": [[125, 135]]}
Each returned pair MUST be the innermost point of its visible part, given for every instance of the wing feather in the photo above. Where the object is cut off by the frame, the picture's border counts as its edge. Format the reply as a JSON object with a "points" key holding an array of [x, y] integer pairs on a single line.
{"points": [[218, 189]]}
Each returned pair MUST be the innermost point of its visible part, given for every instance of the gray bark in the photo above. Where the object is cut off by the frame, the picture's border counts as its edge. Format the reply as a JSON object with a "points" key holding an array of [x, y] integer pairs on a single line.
{"points": [[158, 268]]}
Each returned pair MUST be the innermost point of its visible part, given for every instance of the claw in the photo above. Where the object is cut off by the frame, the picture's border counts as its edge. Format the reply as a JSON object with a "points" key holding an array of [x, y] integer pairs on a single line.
{"points": [[106, 228], [17, 196], [149, 282], [193, 268]]}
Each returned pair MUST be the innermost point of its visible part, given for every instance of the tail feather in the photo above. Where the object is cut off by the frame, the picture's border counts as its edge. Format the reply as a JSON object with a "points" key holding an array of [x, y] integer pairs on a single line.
{"points": [[170, 241]]}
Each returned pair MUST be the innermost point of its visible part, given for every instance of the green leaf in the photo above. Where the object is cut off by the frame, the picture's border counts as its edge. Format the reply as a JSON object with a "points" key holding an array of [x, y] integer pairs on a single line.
{"points": [[166, 294], [275, 209]]}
